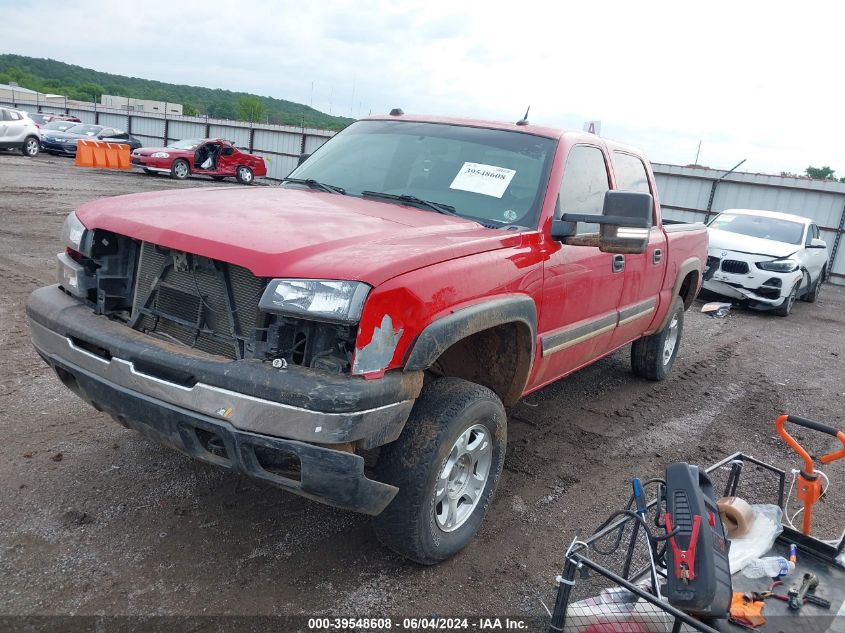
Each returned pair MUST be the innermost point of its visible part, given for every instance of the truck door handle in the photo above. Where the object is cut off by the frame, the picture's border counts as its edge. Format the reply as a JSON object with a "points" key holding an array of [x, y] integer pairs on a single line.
{"points": [[618, 263], [656, 256]]}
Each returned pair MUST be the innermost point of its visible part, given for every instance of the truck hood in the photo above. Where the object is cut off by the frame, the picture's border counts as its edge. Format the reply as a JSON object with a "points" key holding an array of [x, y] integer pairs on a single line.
{"points": [[727, 241], [285, 232]]}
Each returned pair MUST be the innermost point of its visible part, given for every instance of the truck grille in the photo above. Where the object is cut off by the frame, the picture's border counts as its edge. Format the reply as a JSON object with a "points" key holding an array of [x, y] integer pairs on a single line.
{"points": [[734, 266], [185, 298]]}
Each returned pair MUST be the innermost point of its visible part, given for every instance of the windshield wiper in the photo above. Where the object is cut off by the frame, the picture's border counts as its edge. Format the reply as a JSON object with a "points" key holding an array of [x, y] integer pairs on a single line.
{"points": [[316, 184], [445, 209]]}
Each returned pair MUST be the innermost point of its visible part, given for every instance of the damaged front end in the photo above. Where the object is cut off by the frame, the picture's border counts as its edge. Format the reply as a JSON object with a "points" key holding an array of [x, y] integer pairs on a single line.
{"points": [[212, 306], [757, 280]]}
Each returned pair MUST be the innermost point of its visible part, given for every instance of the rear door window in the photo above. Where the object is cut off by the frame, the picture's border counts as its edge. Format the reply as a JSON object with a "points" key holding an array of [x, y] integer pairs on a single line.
{"points": [[631, 174], [585, 181]]}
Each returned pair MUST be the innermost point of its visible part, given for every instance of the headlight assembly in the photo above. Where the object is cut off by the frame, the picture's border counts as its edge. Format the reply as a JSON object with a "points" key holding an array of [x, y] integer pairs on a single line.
{"points": [[159, 155], [316, 299], [76, 236], [779, 265]]}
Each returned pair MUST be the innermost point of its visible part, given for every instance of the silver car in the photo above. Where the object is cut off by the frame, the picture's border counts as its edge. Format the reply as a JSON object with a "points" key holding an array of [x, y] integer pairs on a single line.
{"points": [[18, 131]]}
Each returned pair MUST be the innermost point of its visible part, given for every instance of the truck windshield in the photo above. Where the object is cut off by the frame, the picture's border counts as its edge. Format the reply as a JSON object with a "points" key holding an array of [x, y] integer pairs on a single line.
{"points": [[496, 177], [760, 226]]}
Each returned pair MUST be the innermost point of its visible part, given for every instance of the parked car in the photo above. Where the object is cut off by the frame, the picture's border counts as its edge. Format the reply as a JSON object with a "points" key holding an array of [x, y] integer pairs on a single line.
{"points": [[217, 158], [43, 118], [56, 126], [411, 279], [18, 131], [765, 258], [65, 142]]}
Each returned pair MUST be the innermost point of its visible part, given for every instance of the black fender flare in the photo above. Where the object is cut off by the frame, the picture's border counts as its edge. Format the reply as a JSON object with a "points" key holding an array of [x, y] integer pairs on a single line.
{"points": [[693, 264], [441, 334]]}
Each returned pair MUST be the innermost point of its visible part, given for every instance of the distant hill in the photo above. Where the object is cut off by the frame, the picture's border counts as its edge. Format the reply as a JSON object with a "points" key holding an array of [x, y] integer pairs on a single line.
{"points": [[85, 84]]}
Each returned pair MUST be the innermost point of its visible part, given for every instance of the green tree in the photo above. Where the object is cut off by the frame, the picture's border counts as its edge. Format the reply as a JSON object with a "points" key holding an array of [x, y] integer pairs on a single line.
{"points": [[189, 109], [221, 110], [54, 77], [820, 173], [250, 108]]}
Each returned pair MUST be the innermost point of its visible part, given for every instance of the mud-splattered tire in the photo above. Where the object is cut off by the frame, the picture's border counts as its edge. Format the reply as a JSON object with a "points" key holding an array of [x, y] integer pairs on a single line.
{"points": [[456, 434], [652, 356]]}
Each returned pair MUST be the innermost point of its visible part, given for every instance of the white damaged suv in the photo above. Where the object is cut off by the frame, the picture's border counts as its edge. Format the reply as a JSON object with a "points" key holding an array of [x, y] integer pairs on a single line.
{"points": [[18, 131], [765, 258]]}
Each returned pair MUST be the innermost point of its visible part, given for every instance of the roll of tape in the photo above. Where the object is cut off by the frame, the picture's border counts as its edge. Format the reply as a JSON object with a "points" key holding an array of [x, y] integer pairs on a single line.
{"points": [[737, 516]]}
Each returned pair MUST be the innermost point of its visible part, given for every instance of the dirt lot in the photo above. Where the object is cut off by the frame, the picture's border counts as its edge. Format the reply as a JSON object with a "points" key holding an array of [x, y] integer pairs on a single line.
{"points": [[97, 520]]}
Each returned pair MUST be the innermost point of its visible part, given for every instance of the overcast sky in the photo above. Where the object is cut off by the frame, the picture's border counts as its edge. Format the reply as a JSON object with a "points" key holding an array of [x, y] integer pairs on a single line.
{"points": [[761, 81]]}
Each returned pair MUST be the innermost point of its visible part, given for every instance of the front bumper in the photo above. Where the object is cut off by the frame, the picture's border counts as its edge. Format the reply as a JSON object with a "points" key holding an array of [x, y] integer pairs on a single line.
{"points": [[762, 287], [167, 392], [150, 164], [58, 148]]}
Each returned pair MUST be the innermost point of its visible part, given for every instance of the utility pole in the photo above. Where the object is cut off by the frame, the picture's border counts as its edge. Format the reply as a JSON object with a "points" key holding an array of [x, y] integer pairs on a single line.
{"points": [[697, 153], [713, 189]]}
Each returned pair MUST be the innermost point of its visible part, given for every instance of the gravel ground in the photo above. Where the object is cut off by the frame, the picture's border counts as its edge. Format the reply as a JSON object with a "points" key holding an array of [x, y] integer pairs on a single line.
{"points": [[97, 520]]}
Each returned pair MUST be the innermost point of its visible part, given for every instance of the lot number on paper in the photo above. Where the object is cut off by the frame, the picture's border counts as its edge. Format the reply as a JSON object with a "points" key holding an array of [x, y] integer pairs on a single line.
{"points": [[484, 179]]}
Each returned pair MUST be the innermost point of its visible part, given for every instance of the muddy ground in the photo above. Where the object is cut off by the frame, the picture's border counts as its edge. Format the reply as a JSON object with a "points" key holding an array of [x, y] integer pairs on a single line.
{"points": [[97, 520]]}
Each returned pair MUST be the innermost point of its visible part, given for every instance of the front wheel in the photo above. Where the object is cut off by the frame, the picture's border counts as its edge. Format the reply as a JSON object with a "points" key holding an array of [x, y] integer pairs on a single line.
{"points": [[652, 356], [244, 175], [30, 147], [180, 169], [446, 464], [785, 308], [813, 292]]}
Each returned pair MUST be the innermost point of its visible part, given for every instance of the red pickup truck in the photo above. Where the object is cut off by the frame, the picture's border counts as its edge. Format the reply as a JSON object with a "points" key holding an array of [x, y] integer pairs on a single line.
{"points": [[409, 281]]}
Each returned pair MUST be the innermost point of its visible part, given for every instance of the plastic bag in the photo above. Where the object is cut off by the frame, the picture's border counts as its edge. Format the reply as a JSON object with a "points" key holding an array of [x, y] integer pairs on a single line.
{"points": [[767, 525]]}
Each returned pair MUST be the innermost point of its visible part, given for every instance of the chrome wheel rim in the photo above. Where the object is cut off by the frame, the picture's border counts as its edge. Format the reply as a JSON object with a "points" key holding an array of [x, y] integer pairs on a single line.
{"points": [[462, 478], [31, 147], [181, 170], [671, 340], [245, 174]]}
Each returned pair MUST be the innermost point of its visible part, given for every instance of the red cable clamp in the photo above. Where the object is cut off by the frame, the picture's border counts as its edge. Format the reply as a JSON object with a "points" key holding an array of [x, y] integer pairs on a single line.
{"points": [[684, 558]]}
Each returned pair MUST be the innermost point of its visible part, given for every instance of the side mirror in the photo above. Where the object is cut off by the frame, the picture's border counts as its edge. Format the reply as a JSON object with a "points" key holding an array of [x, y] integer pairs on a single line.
{"points": [[302, 159], [623, 224], [817, 243]]}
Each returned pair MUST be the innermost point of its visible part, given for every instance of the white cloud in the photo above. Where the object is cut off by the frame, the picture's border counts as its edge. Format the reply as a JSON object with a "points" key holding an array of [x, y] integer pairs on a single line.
{"points": [[751, 80]]}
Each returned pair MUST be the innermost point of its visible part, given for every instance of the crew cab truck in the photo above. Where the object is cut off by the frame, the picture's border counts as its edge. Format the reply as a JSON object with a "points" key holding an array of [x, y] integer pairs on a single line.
{"points": [[408, 282]]}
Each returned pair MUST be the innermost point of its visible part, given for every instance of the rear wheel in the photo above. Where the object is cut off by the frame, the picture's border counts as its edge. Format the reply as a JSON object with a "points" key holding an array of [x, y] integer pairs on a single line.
{"points": [[30, 146], [244, 175], [813, 292], [652, 356], [446, 464], [180, 169], [785, 308]]}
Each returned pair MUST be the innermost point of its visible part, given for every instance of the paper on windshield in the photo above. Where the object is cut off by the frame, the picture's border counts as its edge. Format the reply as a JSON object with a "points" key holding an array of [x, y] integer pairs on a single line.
{"points": [[487, 180]]}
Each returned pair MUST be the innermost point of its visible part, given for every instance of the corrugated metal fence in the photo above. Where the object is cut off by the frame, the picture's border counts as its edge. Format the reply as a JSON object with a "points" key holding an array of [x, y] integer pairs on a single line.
{"points": [[280, 145], [694, 195]]}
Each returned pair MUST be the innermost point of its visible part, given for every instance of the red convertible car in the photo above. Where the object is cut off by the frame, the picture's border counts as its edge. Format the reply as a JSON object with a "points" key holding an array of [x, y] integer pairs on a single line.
{"points": [[216, 157]]}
